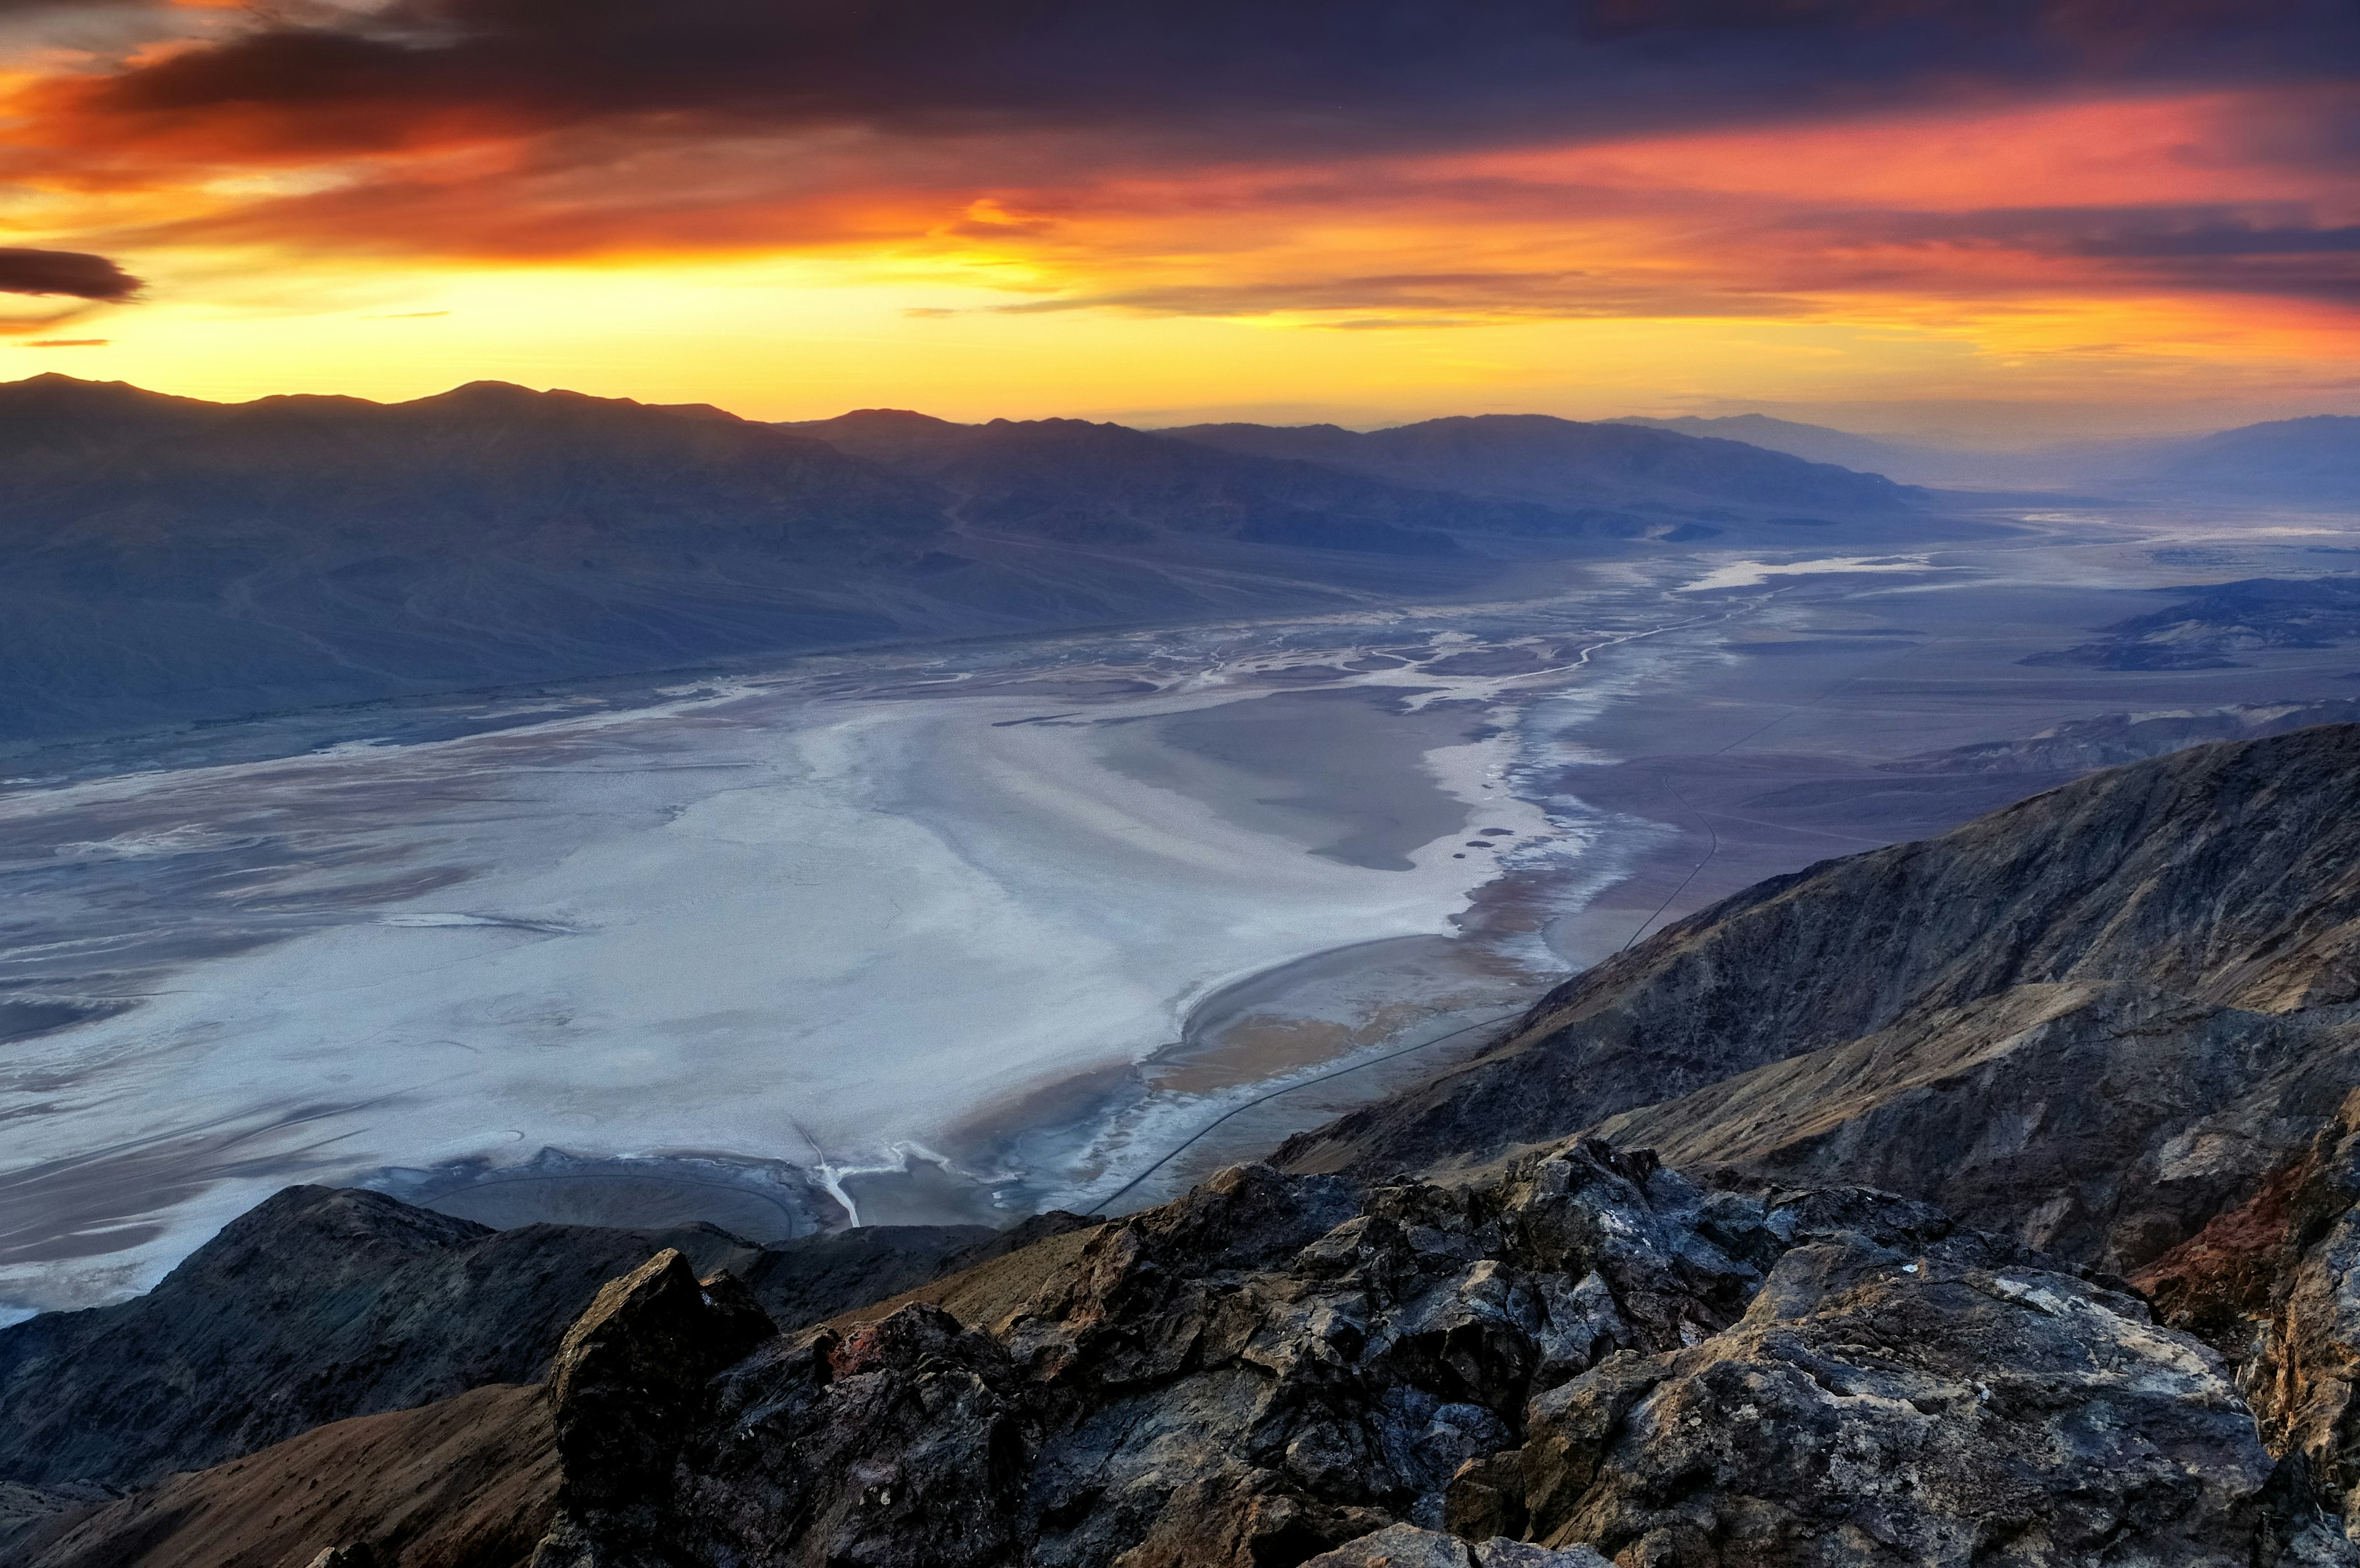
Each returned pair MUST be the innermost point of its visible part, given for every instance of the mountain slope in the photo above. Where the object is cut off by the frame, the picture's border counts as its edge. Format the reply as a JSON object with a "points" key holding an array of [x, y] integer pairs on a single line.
{"points": [[1076, 481], [1567, 464], [1813, 443], [2092, 1018], [470, 1481], [164, 560], [2308, 460], [324, 1304]]}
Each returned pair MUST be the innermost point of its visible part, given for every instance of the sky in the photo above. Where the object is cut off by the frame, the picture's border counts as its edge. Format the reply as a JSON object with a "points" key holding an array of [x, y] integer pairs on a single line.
{"points": [[1998, 221]]}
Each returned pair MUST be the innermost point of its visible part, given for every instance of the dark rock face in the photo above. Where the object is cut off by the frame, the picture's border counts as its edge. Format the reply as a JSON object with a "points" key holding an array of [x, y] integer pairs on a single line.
{"points": [[321, 1304], [2275, 1284], [1406, 1546], [627, 1382], [2094, 1019], [1918, 1403], [318, 1305], [1587, 1350]]}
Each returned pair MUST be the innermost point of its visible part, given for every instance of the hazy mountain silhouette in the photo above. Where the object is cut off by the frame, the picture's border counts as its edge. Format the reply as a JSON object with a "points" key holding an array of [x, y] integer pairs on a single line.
{"points": [[1813, 443], [2308, 460], [1073, 479], [2300, 462], [1584, 468], [170, 560]]}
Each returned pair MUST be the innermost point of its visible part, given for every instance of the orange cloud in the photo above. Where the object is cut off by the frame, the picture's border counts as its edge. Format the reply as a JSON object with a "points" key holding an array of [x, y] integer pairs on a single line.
{"points": [[2034, 178]]}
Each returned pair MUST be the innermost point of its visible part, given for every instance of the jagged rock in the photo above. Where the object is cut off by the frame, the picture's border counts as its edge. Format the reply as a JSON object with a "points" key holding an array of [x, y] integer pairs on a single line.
{"points": [[628, 1381], [1936, 1404], [2093, 1020], [2275, 1285], [900, 1441], [324, 1303], [320, 1304], [1584, 1349]]}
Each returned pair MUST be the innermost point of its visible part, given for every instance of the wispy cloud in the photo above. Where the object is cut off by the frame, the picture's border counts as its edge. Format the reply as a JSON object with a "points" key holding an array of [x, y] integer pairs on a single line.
{"points": [[2001, 174]]}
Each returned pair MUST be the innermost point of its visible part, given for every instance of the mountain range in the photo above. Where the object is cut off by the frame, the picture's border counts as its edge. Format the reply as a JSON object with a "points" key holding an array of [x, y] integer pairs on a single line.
{"points": [[167, 559], [1816, 443], [2314, 459], [2308, 461], [1562, 463], [1990, 1199]]}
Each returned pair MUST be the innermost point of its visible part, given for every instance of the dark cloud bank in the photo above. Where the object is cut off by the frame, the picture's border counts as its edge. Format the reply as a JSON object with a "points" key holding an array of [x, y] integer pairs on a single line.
{"points": [[1217, 71], [68, 272]]}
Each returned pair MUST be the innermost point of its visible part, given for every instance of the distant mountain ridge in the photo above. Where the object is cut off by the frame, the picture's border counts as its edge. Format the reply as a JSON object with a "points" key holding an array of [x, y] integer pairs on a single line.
{"points": [[2307, 459], [1078, 482], [1565, 462], [2303, 462], [165, 560], [1816, 443]]}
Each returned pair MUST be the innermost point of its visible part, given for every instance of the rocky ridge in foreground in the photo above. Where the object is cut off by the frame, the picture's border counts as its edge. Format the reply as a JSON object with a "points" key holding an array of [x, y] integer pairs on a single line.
{"points": [[2111, 1028], [1586, 1357], [2091, 1019]]}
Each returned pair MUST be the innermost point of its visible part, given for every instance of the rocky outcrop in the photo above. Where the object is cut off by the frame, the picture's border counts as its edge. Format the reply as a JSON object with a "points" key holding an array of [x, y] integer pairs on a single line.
{"points": [[2093, 1020], [627, 1384], [324, 1303], [1583, 1357], [1587, 1350], [2275, 1284], [318, 1305]]}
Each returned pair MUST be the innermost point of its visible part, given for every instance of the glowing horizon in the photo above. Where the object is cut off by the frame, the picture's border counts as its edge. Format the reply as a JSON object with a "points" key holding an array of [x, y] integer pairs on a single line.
{"points": [[1890, 216]]}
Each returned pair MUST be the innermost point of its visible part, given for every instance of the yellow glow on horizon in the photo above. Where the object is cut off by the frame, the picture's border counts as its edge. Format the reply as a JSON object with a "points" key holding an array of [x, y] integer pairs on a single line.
{"points": [[807, 339], [1637, 276]]}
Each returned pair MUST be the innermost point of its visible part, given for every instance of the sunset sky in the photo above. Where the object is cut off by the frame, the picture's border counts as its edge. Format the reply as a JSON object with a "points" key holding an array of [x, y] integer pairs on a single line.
{"points": [[2014, 220]]}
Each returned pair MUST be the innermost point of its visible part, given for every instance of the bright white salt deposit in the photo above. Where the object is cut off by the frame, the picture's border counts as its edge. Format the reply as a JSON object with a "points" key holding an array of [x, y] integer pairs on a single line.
{"points": [[816, 930], [1754, 573]]}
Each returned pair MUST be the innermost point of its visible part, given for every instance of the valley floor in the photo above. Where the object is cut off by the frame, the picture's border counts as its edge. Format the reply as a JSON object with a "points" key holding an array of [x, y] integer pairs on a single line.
{"points": [[962, 934]]}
